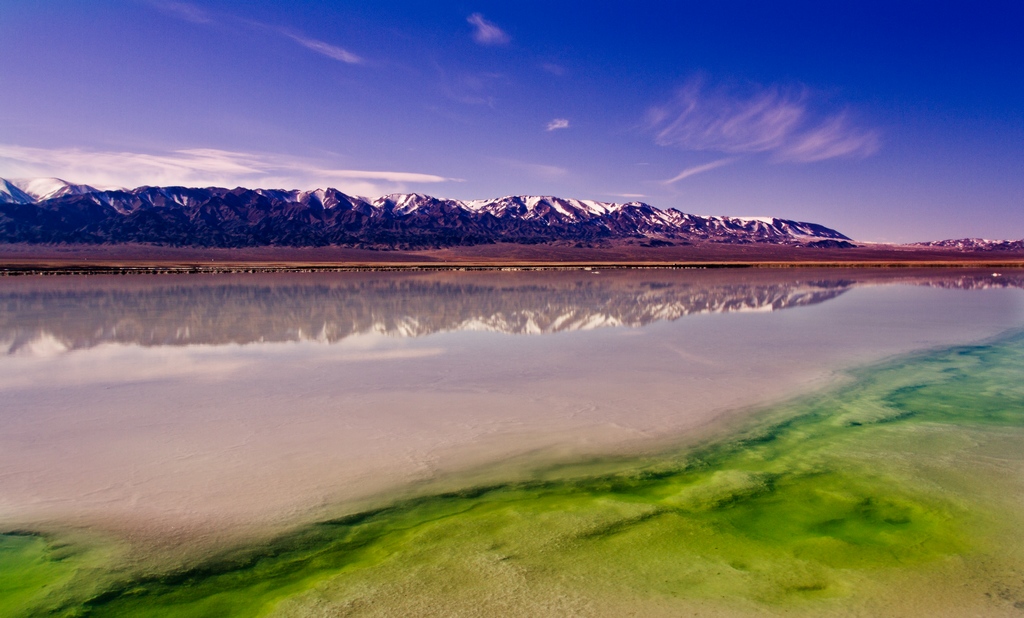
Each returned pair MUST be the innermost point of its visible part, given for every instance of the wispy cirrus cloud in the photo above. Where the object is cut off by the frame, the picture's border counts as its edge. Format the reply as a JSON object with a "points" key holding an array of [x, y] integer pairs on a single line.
{"points": [[487, 33], [322, 48], [185, 10], [198, 15], [200, 167], [555, 69], [413, 177], [556, 124], [779, 121], [470, 88], [699, 169], [537, 170], [834, 137]]}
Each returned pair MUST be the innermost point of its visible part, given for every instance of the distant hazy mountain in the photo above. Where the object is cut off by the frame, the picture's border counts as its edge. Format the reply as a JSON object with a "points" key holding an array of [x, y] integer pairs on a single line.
{"points": [[975, 244], [54, 211]]}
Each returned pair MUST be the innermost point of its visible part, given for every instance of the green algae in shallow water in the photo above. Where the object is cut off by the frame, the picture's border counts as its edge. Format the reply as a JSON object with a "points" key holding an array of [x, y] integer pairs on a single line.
{"points": [[825, 499], [29, 571], [38, 574]]}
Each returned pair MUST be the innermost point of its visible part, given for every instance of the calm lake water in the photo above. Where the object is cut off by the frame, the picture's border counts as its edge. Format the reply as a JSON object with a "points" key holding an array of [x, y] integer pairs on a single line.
{"points": [[726, 442]]}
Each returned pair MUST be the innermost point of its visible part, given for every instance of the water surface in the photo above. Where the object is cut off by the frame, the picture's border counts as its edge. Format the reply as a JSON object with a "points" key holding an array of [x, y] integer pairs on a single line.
{"points": [[159, 421]]}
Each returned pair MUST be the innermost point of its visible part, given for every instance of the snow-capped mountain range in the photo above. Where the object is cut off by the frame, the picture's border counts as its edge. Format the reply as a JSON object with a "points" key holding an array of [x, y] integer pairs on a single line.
{"points": [[975, 244], [34, 190], [51, 210], [54, 211]]}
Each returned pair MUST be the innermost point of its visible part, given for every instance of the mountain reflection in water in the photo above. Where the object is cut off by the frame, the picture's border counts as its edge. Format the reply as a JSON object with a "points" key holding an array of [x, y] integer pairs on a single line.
{"points": [[174, 310]]}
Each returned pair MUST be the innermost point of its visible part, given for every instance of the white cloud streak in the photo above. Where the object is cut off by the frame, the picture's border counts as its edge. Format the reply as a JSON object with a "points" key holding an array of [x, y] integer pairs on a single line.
{"points": [[387, 176], [833, 138], [186, 11], [539, 170], [470, 88], [556, 124], [322, 48], [198, 15], [699, 169], [200, 167], [768, 120], [487, 33], [555, 69]]}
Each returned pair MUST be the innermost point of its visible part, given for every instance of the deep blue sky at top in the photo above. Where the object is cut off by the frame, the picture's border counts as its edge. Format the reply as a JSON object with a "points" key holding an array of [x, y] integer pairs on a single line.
{"points": [[892, 121]]}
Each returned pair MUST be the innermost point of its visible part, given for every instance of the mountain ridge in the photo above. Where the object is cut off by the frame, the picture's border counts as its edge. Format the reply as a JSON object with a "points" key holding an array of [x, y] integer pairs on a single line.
{"points": [[55, 211], [975, 244], [40, 189], [241, 217]]}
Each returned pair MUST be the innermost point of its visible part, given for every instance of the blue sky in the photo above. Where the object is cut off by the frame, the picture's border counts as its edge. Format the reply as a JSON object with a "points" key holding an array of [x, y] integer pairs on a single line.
{"points": [[888, 121]]}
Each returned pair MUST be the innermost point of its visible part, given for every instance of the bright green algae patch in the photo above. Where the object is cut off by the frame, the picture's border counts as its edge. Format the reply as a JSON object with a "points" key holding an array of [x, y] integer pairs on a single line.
{"points": [[914, 468], [41, 574], [29, 568]]}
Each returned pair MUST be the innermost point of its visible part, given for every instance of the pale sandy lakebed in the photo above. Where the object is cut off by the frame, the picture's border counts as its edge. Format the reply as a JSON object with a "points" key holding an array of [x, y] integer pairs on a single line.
{"points": [[168, 418]]}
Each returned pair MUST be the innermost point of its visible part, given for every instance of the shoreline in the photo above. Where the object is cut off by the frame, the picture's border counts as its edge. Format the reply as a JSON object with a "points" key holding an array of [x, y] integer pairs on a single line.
{"points": [[23, 259], [157, 268]]}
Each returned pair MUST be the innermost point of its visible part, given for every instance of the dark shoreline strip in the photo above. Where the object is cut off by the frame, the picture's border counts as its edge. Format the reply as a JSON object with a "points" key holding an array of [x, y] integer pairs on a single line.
{"points": [[11, 270]]}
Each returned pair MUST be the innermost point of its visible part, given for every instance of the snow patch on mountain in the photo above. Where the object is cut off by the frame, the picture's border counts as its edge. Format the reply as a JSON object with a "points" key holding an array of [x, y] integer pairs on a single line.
{"points": [[12, 194], [215, 216], [48, 188], [974, 244]]}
